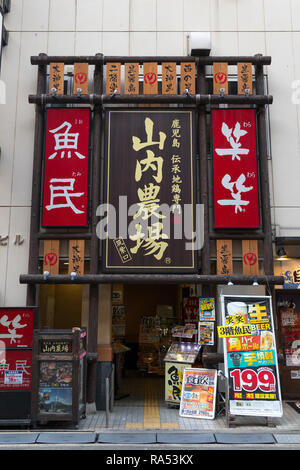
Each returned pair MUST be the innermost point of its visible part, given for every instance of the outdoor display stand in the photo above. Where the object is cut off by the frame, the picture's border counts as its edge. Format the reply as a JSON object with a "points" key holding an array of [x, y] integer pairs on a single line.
{"points": [[16, 334], [59, 376], [250, 358], [179, 357]]}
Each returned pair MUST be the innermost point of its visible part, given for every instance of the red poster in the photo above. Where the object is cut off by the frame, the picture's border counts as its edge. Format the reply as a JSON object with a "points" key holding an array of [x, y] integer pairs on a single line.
{"points": [[235, 168], [16, 372], [16, 327], [66, 167]]}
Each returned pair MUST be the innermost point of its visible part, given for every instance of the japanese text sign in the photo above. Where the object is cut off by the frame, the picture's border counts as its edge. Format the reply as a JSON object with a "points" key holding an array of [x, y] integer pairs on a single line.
{"points": [[150, 191], [76, 256], [198, 396], [235, 168], [250, 356], [66, 167], [16, 327]]}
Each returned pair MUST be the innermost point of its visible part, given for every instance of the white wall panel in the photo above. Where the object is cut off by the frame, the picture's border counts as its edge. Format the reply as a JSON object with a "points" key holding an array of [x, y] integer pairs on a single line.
{"points": [[10, 62], [31, 44], [169, 15], [35, 15], [143, 43], [143, 15], [62, 15], [116, 15], [17, 262], [89, 15], [4, 231], [277, 15], [196, 15]]}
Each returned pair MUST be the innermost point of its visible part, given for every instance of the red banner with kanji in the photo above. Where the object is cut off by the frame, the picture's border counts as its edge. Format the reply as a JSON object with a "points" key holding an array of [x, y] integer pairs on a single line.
{"points": [[66, 167], [236, 200]]}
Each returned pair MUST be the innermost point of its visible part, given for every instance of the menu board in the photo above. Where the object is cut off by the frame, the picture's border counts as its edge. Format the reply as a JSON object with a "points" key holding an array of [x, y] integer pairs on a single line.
{"points": [[250, 356], [55, 387], [183, 352], [206, 333], [173, 381], [198, 396]]}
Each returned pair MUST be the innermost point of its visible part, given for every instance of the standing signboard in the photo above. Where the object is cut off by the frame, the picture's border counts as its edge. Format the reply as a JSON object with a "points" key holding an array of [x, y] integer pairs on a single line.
{"points": [[149, 219], [66, 170], [250, 356], [235, 169], [16, 335], [198, 397]]}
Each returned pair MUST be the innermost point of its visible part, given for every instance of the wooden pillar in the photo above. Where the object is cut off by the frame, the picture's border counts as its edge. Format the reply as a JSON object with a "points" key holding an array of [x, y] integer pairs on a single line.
{"points": [[94, 246], [203, 180], [264, 175], [36, 185]]}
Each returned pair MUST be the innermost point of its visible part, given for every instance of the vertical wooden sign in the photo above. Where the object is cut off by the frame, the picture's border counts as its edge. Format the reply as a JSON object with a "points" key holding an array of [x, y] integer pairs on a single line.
{"points": [[81, 78], [224, 257], [169, 82], [220, 77], [76, 256], [187, 77], [131, 79], [56, 78], [113, 77], [250, 257], [150, 78], [244, 70], [51, 256]]}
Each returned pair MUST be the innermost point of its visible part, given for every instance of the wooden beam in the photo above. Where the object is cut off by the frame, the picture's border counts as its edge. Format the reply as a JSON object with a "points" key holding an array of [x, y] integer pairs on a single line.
{"points": [[197, 99], [149, 279]]}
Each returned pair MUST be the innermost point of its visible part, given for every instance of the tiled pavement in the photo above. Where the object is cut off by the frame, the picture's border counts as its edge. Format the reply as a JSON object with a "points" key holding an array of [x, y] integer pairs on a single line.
{"points": [[145, 409]]}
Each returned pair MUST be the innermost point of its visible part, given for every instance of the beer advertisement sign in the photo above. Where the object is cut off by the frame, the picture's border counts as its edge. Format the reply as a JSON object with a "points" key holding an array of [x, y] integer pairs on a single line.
{"points": [[148, 220], [250, 356]]}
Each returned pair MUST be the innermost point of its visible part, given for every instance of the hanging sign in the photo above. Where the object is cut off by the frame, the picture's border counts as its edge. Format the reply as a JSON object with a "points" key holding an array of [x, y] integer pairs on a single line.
{"points": [[113, 78], [149, 192], [250, 257], [169, 82], [66, 167], [81, 78], [131, 79], [187, 77], [207, 309], [250, 357], [56, 78], [51, 256], [235, 168], [224, 257], [150, 78], [198, 396], [76, 256], [244, 77], [220, 77]]}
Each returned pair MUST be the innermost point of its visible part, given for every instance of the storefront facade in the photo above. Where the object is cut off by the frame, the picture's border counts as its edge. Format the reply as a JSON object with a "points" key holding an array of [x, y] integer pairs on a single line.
{"points": [[125, 88]]}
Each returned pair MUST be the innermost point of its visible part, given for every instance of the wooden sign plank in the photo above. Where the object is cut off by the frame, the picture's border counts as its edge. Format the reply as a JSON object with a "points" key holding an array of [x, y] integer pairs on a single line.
{"points": [[250, 257], [220, 77], [150, 78], [113, 77], [169, 82], [244, 70], [56, 77], [76, 256], [224, 257], [51, 256], [187, 77], [131, 79], [81, 78]]}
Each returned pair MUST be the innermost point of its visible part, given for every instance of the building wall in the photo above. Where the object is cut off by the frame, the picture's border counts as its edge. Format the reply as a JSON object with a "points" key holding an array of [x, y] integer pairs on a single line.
{"points": [[140, 27]]}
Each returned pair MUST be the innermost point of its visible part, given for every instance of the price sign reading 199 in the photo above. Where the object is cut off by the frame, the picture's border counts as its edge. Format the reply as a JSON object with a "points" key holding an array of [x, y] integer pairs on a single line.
{"points": [[249, 380]]}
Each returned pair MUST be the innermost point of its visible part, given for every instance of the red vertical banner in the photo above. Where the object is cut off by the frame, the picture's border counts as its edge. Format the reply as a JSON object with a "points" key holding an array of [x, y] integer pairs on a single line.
{"points": [[236, 202], [66, 167]]}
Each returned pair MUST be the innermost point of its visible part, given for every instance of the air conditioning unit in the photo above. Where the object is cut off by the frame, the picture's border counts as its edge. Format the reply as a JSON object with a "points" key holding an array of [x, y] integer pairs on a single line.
{"points": [[199, 44]]}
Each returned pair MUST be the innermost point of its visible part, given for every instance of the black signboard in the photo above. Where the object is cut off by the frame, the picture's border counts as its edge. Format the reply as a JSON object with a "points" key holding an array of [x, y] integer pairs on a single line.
{"points": [[149, 220]]}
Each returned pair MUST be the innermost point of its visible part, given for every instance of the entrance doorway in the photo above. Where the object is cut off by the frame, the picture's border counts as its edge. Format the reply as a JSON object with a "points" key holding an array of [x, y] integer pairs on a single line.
{"points": [[60, 306]]}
